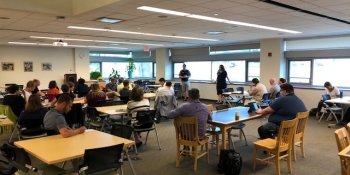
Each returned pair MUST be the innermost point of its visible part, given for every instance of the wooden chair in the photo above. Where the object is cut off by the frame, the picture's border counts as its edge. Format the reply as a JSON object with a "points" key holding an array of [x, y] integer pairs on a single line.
{"points": [[348, 128], [214, 132], [186, 129], [343, 140], [278, 149], [299, 133]]}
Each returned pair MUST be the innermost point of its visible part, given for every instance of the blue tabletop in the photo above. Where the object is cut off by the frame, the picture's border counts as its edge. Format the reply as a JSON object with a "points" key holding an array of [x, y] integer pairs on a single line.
{"points": [[228, 115]]}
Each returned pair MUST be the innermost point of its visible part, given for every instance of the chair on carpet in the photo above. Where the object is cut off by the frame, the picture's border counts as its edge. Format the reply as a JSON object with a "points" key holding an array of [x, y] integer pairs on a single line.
{"points": [[343, 141], [186, 130], [144, 122], [333, 109], [214, 132], [299, 133], [279, 148]]}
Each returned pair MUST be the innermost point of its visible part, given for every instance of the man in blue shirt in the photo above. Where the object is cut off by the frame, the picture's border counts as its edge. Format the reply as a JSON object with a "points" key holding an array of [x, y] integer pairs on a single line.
{"points": [[284, 108], [194, 108]]}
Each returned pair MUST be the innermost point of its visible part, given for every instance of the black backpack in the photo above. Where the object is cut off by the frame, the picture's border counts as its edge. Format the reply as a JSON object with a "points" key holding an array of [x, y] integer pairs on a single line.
{"points": [[6, 168], [230, 162]]}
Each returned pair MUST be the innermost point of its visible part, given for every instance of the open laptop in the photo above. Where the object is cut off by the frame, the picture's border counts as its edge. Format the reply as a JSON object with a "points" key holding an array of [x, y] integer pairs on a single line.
{"points": [[253, 107]]}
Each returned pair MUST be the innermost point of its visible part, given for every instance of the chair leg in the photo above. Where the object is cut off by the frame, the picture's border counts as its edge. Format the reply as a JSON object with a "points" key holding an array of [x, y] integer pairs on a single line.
{"points": [[146, 137], [207, 150], [177, 155], [245, 139], [289, 161], [217, 144], [195, 154], [302, 147], [294, 151], [254, 158], [157, 139], [321, 116], [135, 147], [277, 161]]}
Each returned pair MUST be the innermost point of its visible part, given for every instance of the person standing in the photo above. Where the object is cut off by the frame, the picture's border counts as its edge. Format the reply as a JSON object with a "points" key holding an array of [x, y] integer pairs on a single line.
{"points": [[221, 82], [184, 75]]}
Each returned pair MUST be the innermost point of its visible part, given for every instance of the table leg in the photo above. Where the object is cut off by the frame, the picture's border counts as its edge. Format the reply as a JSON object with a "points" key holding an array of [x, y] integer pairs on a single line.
{"points": [[223, 133], [130, 163]]}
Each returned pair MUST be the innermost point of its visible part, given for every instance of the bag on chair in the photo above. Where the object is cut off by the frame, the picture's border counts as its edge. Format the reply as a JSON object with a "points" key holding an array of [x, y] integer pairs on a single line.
{"points": [[230, 162]]}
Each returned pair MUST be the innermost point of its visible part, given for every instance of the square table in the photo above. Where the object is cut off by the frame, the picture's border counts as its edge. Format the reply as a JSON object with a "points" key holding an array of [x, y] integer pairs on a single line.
{"points": [[56, 149], [225, 119]]}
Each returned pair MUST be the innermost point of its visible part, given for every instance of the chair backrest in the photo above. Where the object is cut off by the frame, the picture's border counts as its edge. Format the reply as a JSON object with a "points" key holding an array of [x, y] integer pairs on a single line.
{"points": [[266, 97], [186, 129], [121, 130], [348, 128], [211, 107], [286, 135], [278, 94], [342, 138], [326, 97], [221, 107], [145, 118], [240, 88], [100, 159], [302, 120], [75, 115]]}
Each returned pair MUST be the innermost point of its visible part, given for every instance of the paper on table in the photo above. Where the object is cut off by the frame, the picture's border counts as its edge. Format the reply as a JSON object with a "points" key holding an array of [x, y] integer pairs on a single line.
{"points": [[2, 116]]}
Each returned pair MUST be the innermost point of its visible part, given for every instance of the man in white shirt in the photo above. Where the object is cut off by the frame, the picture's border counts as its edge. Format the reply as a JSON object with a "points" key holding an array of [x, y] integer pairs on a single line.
{"points": [[165, 90], [257, 90], [165, 87]]}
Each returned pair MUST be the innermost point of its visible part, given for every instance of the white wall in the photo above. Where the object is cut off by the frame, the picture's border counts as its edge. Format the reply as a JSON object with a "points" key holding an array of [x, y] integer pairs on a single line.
{"points": [[62, 59]]}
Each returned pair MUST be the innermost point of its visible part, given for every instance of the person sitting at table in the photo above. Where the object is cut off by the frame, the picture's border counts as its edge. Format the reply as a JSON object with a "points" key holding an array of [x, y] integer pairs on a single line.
{"points": [[257, 90], [124, 92], [282, 81], [193, 107], [137, 103], [81, 89], [284, 108], [274, 89], [330, 90], [31, 119], [53, 90], [121, 85], [165, 101], [95, 96], [27, 91], [14, 100], [54, 119], [65, 90], [111, 89]]}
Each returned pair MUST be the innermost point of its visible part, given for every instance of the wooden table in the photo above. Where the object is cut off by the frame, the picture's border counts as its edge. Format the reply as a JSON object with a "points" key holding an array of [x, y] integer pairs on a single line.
{"points": [[149, 95], [113, 110], [6, 125], [225, 119], [55, 149]]}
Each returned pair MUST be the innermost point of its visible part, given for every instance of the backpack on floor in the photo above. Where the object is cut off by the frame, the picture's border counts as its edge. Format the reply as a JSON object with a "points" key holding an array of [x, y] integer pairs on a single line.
{"points": [[230, 162], [5, 167]]}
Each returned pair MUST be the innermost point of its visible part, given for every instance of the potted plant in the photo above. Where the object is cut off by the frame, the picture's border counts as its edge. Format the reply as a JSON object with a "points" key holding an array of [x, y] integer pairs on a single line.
{"points": [[114, 74], [131, 67], [95, 75]]}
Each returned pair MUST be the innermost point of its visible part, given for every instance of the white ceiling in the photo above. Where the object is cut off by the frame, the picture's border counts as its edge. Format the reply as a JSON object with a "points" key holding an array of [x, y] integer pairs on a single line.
{"points": [[42, 21]]}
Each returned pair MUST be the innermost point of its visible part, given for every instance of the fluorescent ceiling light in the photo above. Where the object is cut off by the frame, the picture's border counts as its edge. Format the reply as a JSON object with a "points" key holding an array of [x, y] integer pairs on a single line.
{"points": [[98, 41], [215, 32], [139, 33], [171, 12], [109, 20], [84, 46], [207, 18]]}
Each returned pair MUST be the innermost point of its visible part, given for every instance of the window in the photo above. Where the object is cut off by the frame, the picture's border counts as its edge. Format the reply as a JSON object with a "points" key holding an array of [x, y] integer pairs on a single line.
{"points": [[196, 68], [300, 72], [95, 67], [154, 70], [253, 70], [332, 70], [235, 70], [177, 68], [143, 69]]}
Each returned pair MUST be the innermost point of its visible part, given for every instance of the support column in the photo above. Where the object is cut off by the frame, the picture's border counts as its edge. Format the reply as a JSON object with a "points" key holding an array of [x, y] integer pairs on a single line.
{"points": [[164, 65], [272, 61], [82, 63]]}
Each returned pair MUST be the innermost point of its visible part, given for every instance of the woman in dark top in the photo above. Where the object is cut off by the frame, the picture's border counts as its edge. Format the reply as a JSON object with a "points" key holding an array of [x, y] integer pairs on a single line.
{"points": [[221, 82], [33, 115], [14, 99]]}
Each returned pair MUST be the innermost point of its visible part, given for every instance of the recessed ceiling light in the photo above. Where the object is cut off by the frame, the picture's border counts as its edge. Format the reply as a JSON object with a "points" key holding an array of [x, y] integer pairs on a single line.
{"points": [[215, 14], [109, 20], [215, 32]]}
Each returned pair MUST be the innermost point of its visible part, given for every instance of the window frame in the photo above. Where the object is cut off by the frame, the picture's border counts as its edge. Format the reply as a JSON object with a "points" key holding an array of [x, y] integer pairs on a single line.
{"points": [[289, 60], [246, 69]]}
